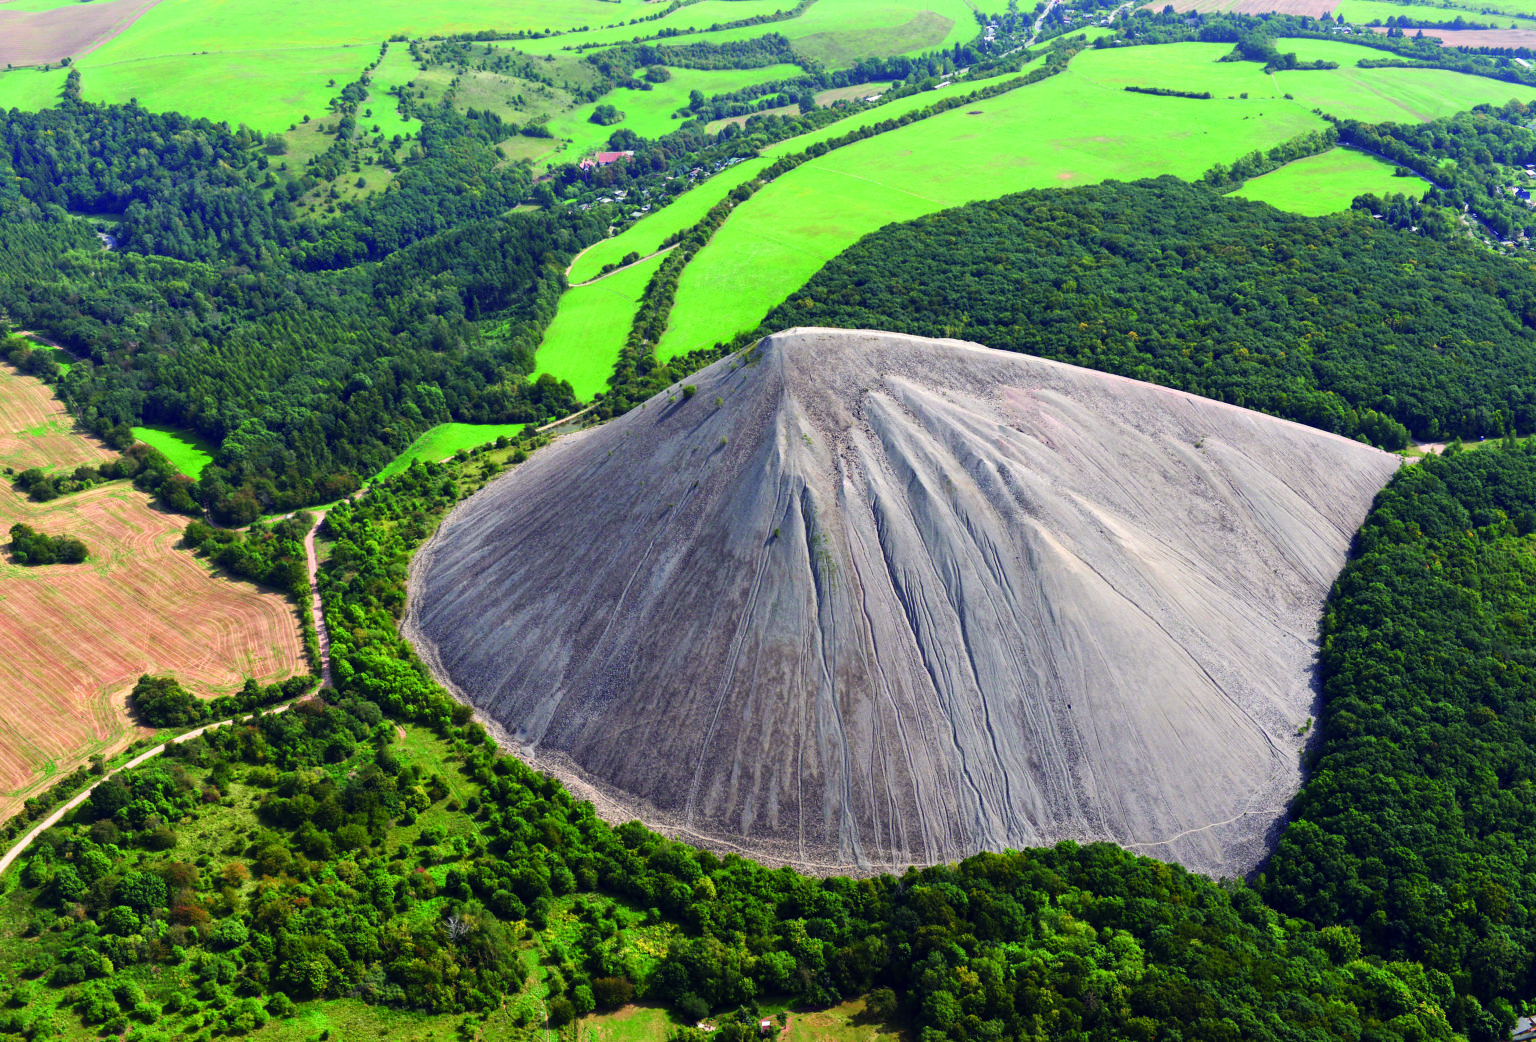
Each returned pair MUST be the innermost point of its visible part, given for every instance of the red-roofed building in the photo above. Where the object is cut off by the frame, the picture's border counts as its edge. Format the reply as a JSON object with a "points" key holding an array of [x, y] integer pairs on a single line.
{"points": [[604, 158]]}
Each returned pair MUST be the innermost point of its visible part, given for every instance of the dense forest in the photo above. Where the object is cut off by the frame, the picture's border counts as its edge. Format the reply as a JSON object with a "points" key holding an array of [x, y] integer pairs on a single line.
{"points": [[351, 871], [1412, 827], [1337, 322], [312, 353]]}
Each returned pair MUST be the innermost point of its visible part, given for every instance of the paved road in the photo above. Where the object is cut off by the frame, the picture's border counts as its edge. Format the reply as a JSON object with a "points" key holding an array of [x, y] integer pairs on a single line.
{"points": [[148, 754]]}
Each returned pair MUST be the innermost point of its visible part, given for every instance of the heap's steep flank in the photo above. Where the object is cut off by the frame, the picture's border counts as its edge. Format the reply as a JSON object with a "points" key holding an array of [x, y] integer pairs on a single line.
{"points": [[871, 600]]}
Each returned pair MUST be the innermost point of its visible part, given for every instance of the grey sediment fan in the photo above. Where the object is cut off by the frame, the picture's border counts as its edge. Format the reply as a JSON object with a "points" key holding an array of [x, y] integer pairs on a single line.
{"points": [[862, 600]]}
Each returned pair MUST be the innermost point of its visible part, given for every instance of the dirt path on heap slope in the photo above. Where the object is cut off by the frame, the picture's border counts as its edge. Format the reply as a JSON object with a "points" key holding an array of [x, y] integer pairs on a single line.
{"points": [[875, 600]]}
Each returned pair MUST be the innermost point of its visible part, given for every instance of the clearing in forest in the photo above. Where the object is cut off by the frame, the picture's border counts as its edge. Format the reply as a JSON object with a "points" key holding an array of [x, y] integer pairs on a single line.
{"points": [[74, 638], [189, 452], [1328, 183]]}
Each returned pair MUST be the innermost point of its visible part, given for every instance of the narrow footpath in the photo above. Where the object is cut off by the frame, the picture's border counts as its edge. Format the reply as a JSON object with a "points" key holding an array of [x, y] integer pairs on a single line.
{"points": [[316, 609], [149, 754]]}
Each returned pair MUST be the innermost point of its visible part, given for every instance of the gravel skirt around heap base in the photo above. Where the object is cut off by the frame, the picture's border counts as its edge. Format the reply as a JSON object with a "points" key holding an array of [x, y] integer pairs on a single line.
{"points": [[866, 600]]}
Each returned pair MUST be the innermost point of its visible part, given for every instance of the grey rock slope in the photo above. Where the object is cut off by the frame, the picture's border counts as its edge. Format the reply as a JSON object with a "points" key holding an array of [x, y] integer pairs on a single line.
{"points": [[873, 600]]}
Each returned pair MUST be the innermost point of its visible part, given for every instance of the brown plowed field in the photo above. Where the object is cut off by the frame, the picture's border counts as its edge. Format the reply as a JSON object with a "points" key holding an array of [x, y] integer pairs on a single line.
{"points": [[1511, 38], [44, 37], [36, 430], [1314, 8], [74, 638]]}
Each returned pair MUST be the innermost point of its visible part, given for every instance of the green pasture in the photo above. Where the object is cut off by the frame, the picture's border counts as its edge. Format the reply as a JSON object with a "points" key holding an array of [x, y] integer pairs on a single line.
{"points": [[1390, 95], [1186, 66], [1363, 12], [835, 32], [265, 89], [694, 17], [396, 69], [31, 89], [583, 341], [189, 451], [193, 26], [444, 440], [645, 236], [1328, 183], [1067, 130], [1514, 7], [649, 112]]}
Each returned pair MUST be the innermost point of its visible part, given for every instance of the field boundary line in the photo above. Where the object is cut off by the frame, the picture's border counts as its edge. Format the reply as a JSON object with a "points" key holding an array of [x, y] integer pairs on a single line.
{"points": [[615, 271]]}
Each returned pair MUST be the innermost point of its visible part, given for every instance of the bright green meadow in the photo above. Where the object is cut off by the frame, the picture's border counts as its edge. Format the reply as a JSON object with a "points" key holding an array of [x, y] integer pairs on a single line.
{"points": [[582, 343], [1328, 183], [1367, 11], [31, 89], [834, 32], [265, 89], [646, 235], [649, 112], [444, 440], [1387, 95], [188, 451]]}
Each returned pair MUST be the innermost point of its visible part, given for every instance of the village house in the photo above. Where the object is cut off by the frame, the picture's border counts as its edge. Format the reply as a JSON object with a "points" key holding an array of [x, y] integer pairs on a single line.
{"points": [[604, 159]]}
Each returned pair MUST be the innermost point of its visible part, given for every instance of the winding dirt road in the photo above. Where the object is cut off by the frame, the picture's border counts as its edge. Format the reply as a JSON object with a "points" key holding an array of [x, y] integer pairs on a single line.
{"points": [[149, 754], [316, 608]]}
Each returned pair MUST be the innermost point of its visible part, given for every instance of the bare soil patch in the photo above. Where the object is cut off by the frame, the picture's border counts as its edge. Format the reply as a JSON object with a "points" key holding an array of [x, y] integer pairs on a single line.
{"points": [[74, 638], [1511, 38], [1314, 8], [44, 37], [37, 431]]}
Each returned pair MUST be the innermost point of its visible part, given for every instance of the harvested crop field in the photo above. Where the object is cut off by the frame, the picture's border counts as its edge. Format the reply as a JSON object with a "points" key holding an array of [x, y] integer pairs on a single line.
{"points": [[74, 638], [44, 37], [875, 600], [1313, 8], [36, 430], [1511, 38]]}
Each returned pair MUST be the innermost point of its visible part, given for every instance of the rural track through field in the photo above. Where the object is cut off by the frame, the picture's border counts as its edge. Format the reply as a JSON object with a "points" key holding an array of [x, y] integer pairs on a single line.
{"points": [[149, 754], [615, 271]]}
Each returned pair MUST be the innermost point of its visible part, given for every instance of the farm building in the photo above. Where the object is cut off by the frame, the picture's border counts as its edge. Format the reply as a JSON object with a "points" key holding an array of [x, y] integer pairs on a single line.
{"points": [[604, 159]]}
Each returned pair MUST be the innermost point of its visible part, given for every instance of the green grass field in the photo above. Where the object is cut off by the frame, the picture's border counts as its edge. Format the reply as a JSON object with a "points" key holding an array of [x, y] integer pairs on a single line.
{"points": [[695, 17], [444, 440], [395, 70], [266, 63], [582, 343], [31, 89], [1387, 95], [192, 26], [835, 32], [1363, 12], [649, 112], [1328, 183], [190, 452], [264, 89], [645, 236], [1068, 130]]}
